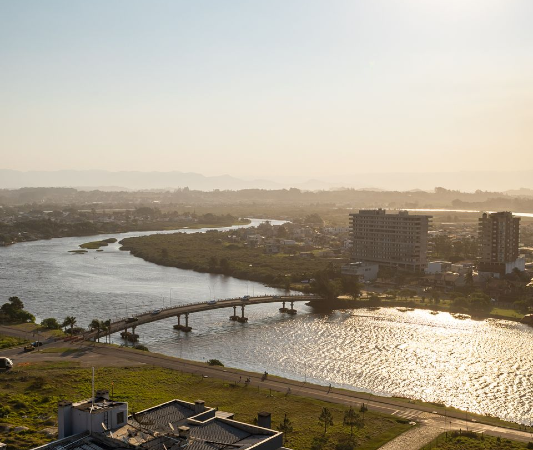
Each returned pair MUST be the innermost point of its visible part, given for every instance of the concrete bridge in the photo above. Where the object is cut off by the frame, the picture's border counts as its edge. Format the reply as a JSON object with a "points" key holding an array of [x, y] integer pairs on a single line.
{"points": [[181, 312]]}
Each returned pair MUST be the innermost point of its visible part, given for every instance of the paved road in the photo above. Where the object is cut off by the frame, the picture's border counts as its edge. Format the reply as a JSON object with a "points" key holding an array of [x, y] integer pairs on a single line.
{"points": [[102, 355]]}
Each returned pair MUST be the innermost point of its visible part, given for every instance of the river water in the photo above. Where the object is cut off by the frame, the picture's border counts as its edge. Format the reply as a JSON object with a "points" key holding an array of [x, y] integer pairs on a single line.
{"points": [[480, 366]]}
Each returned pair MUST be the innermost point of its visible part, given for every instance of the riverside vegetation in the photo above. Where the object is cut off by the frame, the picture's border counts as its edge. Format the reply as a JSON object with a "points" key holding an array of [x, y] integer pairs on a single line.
{"points": [[30, 392], [465, 440], [214, 252]]}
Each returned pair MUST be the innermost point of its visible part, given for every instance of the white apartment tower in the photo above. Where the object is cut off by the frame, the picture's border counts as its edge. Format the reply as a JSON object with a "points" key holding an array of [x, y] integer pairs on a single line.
{"points": [[396, 240]]}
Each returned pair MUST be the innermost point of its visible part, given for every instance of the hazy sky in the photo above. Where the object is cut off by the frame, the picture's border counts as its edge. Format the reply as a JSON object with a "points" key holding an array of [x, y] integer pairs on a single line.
{"points": [[264, 88]]}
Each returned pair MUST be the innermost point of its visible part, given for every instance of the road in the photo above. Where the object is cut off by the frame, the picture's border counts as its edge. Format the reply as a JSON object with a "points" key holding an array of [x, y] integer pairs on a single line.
{"points": [[431, 423]]}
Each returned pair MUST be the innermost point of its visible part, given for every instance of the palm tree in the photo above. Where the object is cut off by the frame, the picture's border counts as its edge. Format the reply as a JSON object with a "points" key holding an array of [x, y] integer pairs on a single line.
{"points": [[106, 327], [96, 325], [69, 321], [326, 418]]}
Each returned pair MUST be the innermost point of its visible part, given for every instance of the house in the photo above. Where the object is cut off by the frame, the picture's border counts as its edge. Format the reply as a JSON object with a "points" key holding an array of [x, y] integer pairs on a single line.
{"points": [[100, 423], [364, 271]]}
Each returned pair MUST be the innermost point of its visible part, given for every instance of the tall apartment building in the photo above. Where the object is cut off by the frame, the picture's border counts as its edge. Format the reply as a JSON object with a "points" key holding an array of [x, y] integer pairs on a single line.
{"points": [[397, 240], [499, 235]]}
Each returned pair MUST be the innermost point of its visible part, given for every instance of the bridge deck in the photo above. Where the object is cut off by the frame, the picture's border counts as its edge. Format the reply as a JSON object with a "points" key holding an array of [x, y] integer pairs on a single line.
{"points": [[174, 311]]}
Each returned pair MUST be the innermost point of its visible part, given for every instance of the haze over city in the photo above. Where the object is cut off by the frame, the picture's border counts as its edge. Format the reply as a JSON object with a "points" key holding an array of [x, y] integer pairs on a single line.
{"points": [[303, 88]]}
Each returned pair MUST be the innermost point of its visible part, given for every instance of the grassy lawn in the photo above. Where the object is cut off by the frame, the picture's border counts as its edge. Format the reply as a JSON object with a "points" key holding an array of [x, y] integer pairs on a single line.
{"points": [[473, 441], [8, 342], [29, 395], [506, 313]]}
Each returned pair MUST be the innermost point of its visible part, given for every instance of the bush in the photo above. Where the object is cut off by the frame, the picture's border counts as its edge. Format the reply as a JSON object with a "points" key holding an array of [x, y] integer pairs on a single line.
{"points": [[4, 411], [141, 347], [50, 324], [215, 362]]}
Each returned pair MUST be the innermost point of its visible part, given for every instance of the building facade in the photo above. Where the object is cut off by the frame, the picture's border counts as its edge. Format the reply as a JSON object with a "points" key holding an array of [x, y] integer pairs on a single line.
{"points": [[396, 240], [499, 237]]}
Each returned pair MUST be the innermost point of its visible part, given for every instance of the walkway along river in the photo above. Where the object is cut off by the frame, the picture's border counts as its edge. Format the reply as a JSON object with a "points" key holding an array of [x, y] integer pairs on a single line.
{"points": [[480, 366]]}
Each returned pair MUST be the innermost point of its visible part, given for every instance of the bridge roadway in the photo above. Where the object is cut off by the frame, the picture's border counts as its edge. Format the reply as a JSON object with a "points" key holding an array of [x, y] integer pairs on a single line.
{"points": [[126, 323]]}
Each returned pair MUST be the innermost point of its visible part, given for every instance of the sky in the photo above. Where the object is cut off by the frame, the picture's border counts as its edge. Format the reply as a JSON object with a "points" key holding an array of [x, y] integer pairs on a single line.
{"points": [[267, 88]]}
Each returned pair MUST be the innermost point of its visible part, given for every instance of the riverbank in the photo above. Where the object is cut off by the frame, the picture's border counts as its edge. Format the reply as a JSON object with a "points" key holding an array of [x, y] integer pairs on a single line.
{"points": [[30, 231], [216, 253], [160, 378], [59, 375]]}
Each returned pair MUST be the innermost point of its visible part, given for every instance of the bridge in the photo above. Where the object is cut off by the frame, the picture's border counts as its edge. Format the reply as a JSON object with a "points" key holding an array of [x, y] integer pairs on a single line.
{"points": [[182, 311]]}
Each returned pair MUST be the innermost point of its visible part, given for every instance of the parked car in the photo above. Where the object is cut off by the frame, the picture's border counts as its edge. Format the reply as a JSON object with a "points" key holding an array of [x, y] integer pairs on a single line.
{"points": [[29, 348], [36, 344]]}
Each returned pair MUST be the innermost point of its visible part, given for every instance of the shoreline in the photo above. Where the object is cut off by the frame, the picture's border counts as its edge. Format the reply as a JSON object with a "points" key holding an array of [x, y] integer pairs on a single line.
{"points": [[130, 230], [383, 404]]}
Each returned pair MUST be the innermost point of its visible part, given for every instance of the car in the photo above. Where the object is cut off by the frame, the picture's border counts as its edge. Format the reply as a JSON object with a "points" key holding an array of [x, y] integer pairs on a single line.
{"points": [[29, 348], [156, 311], [276, 296], [131, 319], [211, 302], [245, 297], [5, 364], [36, 344]]}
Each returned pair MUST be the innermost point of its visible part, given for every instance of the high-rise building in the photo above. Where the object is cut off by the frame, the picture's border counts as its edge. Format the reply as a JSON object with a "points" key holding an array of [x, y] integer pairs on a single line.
{"points": [[499, 235], [397, 240]]}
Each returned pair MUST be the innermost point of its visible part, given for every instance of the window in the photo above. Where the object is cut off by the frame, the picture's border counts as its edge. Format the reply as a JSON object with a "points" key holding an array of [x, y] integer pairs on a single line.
{"points": [[120, 418]]}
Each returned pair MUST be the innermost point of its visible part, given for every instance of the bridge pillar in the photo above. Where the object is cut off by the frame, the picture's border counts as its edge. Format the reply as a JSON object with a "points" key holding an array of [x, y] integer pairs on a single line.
{"points": [[283, 309], [242, 319], [292, 310], [235, 316], [181, 327]]}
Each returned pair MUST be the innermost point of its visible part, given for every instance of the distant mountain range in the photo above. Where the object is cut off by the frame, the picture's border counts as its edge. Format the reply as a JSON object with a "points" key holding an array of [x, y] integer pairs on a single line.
{"points": [[517, 183]]}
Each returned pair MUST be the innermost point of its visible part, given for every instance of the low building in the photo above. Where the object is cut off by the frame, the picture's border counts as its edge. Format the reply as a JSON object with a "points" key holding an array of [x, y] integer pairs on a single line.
{"points": [[437, 267], [103, 424], [365, 271]]}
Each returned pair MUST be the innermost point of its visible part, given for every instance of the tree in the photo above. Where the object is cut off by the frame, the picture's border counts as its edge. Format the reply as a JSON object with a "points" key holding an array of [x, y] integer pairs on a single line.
{"points": [[285, 426], [13, 311], [325, 287], [106, 325], [69, 321], [350, 286], [326, 418], [225, 266], [50, 323], [96, 325], [351, 419], [213, 263]]}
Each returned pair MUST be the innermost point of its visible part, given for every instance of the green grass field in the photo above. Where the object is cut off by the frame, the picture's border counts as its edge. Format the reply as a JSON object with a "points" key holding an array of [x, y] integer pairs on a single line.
{"points": [[9, 342], [29, 395], [473, 441]]}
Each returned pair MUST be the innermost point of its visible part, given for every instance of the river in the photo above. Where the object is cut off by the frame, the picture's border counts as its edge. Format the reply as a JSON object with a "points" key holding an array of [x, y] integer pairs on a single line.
{"points": [[480, 366]]}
